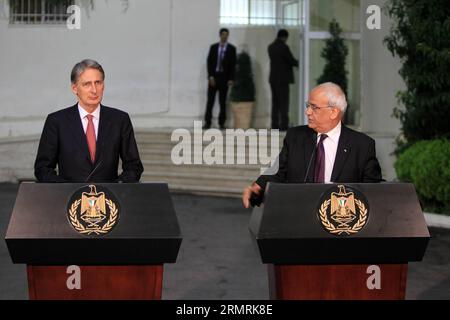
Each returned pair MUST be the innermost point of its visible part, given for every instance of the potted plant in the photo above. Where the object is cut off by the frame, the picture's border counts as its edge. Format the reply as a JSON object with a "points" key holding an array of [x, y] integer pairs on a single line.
{"points": [[335, 53], [242, 94]]}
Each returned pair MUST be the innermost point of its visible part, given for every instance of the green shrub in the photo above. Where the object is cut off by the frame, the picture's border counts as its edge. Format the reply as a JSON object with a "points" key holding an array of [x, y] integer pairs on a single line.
{"points": [[335, 53], [419, 37], [427, 165], [243, 89], [406, 159]]}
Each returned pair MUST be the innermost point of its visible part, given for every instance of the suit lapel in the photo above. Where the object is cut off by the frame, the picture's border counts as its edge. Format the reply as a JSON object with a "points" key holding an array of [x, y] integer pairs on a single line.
{"points": [[76, 127], [342, 153], [216, 54], [104, 126], [311, 139]]}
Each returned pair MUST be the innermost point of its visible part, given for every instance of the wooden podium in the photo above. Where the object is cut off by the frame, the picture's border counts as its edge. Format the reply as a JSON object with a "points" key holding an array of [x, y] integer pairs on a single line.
{"points": [[124, 263], [307, 261]]}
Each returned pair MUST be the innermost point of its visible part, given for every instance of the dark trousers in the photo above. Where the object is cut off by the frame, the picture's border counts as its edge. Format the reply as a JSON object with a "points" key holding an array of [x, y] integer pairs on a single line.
{"points": [[280, 106], [222, 87]]}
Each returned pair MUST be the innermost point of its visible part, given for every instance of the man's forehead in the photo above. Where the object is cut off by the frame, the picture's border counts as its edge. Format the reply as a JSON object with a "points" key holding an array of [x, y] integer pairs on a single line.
{"points": [[318, 95], [90, 75]]}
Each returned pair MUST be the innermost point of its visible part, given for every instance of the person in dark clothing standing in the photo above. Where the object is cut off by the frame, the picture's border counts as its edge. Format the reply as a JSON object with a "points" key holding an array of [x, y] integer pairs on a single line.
{"points": [[84, 143], [221, 63], [281, 75], [324, 151]]}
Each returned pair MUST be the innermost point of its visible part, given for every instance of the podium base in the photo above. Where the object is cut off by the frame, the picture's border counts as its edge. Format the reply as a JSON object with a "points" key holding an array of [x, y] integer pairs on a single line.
{"points": [[95, 283], [337, 282]]}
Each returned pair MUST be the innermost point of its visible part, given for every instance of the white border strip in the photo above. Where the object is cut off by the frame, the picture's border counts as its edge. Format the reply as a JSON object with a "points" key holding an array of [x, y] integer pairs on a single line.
{"points": [[437, 220]]}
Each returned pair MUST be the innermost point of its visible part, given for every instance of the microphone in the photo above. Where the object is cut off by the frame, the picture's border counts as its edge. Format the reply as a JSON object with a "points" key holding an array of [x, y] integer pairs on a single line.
{"points": [[310, 160], [93, 170]]}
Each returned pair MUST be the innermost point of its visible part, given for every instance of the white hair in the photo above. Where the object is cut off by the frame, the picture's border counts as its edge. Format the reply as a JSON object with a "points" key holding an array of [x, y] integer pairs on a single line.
{"points": [[335, 95]]}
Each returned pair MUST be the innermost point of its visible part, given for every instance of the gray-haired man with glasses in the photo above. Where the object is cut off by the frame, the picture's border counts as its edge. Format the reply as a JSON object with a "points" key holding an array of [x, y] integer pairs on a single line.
{"points": [[324, 151]]}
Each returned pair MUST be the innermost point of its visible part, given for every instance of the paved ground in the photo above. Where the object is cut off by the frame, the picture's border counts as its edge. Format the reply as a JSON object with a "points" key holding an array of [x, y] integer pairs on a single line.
{"points": [[217, 259]]}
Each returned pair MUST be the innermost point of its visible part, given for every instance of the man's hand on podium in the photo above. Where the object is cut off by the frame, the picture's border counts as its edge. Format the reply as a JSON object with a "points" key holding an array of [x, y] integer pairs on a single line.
{"points": [[254, 189]]}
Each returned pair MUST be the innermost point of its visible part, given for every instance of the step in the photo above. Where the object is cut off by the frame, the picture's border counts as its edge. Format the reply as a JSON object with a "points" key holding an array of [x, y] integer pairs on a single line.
{"points": [[166, 159], [232, 167], [191, 130], [155, 148], [202, 180], [217, 191], [156, 176], [207, 152], [166, 138], [159, 135], [167, 145], [202, 149], [165, 155], [237, 170]]}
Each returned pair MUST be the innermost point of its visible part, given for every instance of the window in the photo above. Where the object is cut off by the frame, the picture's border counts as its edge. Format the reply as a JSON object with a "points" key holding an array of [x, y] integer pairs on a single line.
{"points": [[259, 12], [39, 11], [346, 12]]}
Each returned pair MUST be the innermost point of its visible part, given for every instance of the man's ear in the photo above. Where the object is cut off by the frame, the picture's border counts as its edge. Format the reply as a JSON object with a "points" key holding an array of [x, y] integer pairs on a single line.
{"points": [[74, 89], [335, 113]]}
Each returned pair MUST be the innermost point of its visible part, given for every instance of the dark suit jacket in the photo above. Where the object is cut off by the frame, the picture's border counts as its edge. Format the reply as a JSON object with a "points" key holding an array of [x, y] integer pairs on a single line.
{"points": [[281, 63], [355, 158], [63, 144], [228, 61]]}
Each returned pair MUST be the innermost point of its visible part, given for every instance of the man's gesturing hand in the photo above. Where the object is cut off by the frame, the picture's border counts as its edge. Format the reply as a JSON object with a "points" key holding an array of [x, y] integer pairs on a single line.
{"points": [[247, 193]]}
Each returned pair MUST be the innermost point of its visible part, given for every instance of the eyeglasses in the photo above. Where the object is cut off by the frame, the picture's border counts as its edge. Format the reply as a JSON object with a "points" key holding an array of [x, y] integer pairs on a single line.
{"points": [[314, 107]]}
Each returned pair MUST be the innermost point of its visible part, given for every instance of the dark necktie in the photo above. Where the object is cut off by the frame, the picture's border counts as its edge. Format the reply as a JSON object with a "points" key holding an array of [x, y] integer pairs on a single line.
{"points": [[90, 136], [319, 169]]}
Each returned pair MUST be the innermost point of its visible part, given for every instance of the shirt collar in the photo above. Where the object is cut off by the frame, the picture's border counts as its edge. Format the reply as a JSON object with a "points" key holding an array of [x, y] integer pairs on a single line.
{"points": [[335, 133], [84, 113]]}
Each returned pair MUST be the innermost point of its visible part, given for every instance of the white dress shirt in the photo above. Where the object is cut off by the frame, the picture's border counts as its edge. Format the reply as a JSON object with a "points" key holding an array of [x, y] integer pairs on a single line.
{"points": [[330, 145], [84, 119]]}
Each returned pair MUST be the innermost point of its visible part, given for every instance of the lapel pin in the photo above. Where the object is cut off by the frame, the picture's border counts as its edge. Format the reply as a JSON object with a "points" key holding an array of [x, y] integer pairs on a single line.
{"points": [[345, 150]]}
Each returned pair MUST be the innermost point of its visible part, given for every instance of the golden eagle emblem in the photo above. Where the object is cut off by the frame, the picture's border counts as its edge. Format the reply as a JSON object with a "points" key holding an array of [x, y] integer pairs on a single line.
{"points": [[342, 213], [93, 213]]}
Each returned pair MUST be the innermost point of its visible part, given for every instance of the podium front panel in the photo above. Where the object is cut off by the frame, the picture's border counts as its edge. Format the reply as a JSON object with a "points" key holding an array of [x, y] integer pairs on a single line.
{"points": [[146, 233], [288, 230]]}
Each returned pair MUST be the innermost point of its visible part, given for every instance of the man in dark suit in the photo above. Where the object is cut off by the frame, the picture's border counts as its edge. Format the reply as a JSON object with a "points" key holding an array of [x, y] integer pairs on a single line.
{"points": [[323, 151], [281, 75], [86, 140], [221, 63]]}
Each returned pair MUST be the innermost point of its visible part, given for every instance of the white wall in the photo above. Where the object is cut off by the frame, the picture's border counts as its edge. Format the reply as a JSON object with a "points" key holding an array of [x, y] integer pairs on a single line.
{"points": [[154, 56], [380, 83], [380, 78], [255, 41], [17, 156]]}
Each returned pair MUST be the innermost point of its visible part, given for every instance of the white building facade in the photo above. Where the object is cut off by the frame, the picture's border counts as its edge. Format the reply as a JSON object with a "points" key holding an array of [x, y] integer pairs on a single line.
{"points": [[154, 55]]}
